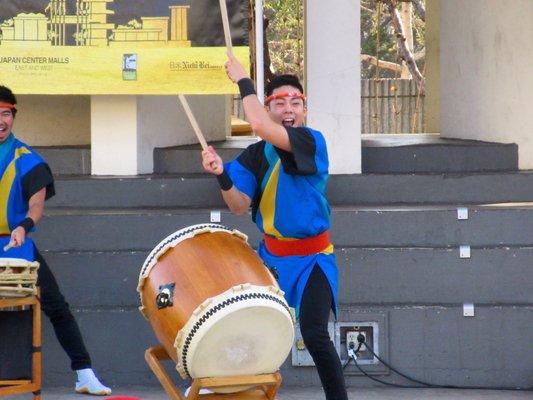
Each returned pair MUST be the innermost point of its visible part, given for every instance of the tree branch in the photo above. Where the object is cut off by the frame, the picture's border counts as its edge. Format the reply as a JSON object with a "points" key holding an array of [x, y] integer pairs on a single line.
{"points": [[404, 51], [420, 9], [420, 55], [367, 9], [382, 64]]}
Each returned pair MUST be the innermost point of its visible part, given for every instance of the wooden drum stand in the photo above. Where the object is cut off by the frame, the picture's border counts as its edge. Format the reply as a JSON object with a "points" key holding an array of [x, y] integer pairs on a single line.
{"points": [[265, 386], [33, 385]]}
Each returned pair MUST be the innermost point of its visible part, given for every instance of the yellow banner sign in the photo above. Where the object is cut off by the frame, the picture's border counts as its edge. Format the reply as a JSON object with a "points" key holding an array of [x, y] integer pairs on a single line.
{"points": [[78, 49]]}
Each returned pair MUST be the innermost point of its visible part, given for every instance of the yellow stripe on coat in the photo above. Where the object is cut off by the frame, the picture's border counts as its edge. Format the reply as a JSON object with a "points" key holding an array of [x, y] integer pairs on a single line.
{"points": [[267, 206], [5, 189]]}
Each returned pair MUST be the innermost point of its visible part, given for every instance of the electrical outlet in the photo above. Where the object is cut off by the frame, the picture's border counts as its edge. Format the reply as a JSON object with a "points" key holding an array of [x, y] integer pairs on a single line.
{"points": [[373, 327], [349, 334], [351, 337]]}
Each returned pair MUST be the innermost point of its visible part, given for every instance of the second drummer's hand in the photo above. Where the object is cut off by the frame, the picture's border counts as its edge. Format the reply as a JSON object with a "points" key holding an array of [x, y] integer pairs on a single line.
{"points": [[18, 236], [212, 162]]}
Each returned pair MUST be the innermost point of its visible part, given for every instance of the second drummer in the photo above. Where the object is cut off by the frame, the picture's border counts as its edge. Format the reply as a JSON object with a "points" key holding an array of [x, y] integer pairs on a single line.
{"points": [[26, 183]]}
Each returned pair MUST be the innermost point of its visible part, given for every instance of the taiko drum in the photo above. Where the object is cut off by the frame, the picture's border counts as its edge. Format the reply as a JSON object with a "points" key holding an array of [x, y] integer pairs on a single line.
{"points": [[213, 305]]}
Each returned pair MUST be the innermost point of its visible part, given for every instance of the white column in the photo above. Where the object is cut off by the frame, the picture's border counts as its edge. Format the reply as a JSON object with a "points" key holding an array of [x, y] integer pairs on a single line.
{"points": [[259, 51], [333, 79], [432, 73], [486, 72], [114, 135]]}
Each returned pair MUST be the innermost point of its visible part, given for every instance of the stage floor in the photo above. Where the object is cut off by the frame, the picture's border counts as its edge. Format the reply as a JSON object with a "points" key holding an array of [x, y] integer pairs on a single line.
{"points": [[298, 393]]}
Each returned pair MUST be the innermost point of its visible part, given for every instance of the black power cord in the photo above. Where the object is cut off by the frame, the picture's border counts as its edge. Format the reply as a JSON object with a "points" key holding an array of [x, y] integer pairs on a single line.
{"points": [[352, 355]]}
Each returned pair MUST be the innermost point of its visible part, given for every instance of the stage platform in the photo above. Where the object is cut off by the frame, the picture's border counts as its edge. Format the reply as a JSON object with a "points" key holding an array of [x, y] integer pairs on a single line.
{"points": [[301, 393]]}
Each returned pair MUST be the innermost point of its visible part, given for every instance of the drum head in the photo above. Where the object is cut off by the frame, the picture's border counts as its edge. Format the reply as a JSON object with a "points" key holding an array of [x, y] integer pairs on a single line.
{"points": [[249, 341], [15, 262], [243, 333]]}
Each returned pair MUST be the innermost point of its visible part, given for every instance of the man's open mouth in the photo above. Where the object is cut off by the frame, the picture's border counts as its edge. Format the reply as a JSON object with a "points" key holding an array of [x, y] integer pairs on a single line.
{"points": [[288, 122]]}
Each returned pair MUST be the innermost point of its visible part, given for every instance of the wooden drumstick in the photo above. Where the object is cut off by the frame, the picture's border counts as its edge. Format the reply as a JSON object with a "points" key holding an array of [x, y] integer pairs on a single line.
{"points": [[193, 122], [225, 24], [183, 100], [8, 246]]}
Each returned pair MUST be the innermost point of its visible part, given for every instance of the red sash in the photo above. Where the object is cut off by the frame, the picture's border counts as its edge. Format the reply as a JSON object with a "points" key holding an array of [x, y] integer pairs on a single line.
{"points": [[297, 247]]}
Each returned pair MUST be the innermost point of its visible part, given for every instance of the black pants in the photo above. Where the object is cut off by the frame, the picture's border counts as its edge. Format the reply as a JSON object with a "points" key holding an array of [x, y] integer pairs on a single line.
{"points": [[314, 315], [57, 310]]}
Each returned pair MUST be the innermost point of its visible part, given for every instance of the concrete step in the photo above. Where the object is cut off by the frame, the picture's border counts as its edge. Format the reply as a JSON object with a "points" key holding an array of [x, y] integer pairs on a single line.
{"points": [[116, 340], [67, 160], [436, 226], [98, 279], [369, 276], [417, 292], [188, 159], [402, 153], [433, 343], [421, 153], [386, 276], [191, 191], [380, 154], [202, 191]]}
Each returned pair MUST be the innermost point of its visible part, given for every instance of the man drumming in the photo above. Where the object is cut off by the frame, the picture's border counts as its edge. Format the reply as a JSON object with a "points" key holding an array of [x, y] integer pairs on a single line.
{"points": [[26, 183], [283, 178]]}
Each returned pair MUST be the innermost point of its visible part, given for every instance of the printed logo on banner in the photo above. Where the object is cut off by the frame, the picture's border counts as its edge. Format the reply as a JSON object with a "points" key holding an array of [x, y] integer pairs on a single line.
{"points": [[129, 67]]}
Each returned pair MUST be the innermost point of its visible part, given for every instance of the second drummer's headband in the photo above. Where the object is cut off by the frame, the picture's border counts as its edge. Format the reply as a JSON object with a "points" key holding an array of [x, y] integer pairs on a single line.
{"points": [[12, 107], [282, 95]]}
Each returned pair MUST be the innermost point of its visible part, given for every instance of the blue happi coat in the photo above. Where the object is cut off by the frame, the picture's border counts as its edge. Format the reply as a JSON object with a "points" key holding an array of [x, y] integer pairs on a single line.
{"points": [[288, 192], [17, 162]]}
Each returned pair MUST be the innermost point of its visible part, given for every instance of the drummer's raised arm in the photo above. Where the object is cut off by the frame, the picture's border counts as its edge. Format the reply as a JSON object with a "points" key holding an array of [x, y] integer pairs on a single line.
{"points": [[261, 123]]}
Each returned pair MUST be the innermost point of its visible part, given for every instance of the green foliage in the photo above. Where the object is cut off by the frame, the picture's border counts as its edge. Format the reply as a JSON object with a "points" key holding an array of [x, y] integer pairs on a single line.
{"points": [[286, 30], [371, 32], [387, 41], [285, 35]]}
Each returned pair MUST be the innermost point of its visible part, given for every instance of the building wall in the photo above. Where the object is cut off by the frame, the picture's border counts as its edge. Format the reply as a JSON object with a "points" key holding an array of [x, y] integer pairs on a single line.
{"points": [[486, 80], [163, 123], [54, 120]]}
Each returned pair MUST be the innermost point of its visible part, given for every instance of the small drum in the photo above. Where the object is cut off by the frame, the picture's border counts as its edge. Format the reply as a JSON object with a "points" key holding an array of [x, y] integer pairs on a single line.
{"points": [[18, 277], [214, 306]]}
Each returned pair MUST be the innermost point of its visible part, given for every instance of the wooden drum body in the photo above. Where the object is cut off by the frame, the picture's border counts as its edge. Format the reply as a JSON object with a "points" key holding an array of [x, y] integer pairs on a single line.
{"points": [[213, 305]]}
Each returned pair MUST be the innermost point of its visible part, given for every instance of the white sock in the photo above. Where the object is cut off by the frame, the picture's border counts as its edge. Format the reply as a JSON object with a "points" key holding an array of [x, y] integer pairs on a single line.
{"points": [[88, 383], [202, 391]]}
